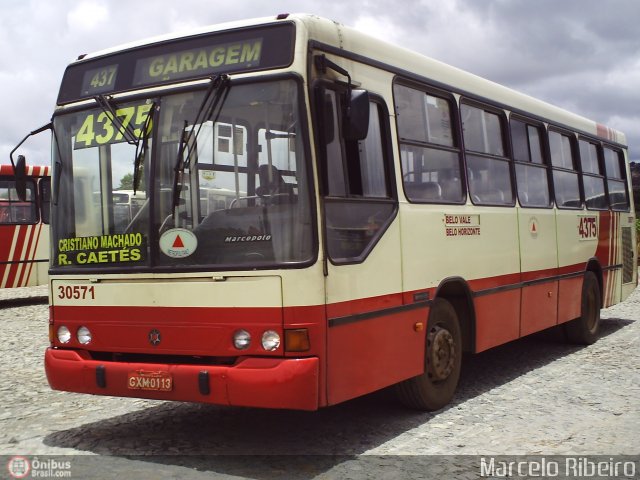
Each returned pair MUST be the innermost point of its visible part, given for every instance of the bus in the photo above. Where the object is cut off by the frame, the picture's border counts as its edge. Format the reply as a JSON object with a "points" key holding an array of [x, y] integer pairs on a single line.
{"points": [[383, 214], [24, 227]]}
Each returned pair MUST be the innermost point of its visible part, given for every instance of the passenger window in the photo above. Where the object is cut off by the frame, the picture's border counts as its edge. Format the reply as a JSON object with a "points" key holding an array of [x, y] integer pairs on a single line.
{"points": [[612, 163], [531, 171], [561, 151], [589, 157], [594, 194], [488, 170], [592, 181], [482, 131], [358, 202], [430, 156], [616, 182], [566, 184]]}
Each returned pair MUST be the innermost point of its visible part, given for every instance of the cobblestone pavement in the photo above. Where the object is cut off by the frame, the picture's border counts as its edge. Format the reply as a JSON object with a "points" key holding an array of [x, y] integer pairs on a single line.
{"points": [[534, 396]]}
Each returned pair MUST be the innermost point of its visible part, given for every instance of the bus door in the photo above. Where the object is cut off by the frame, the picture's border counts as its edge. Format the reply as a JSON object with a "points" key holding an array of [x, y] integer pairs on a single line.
{"points": [[369, 343], [537, 230]]}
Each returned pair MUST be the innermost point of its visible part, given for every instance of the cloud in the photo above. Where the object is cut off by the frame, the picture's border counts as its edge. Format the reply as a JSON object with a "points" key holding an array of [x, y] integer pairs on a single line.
{"points": [[87, 16]]}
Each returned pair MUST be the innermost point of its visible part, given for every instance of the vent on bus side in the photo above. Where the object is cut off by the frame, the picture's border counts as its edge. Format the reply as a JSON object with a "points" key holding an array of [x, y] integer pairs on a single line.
{"points": [[627, 255]]}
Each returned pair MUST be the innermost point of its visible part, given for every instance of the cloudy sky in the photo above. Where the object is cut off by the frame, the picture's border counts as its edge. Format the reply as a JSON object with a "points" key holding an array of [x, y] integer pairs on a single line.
{"points": [[583, 55]]}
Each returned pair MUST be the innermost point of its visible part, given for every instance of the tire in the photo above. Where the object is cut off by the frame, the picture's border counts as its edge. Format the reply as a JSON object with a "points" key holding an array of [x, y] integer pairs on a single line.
{"points": [[584, 329], [435, 388]]}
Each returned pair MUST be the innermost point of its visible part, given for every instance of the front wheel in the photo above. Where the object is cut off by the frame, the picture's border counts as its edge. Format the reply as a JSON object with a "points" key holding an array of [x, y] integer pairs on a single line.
{"points": [[435, 388], [584, 329]]}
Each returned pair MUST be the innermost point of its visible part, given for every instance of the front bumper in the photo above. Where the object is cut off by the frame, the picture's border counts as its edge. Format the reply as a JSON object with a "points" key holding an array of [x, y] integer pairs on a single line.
{"points": [[289, 383]]}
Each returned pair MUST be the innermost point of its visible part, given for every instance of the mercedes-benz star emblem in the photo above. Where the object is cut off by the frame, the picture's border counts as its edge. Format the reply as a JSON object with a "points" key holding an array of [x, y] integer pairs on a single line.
{"points": [[154, 337]]}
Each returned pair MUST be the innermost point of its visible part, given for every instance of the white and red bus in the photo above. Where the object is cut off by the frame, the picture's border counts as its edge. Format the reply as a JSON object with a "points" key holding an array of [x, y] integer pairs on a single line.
{"points": [[24, 228], [383, 213]]}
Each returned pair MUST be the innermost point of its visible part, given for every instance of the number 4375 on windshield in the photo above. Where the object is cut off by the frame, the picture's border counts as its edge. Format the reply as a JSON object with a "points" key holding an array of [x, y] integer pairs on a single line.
{"points": [[98, 128]]}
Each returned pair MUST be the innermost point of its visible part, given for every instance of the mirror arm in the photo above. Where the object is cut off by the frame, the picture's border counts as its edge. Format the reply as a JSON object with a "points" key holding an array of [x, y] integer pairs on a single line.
{"points": [[323, 63], [48, 126]]}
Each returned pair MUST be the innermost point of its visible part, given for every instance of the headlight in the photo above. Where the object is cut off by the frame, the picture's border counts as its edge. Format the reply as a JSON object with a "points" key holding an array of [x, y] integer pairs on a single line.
{"points": [[241, 339], [84, 335], [64, 335], [270, 340]]}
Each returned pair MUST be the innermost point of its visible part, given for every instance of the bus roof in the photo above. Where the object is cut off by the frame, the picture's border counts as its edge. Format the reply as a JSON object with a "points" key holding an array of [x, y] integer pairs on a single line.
{"points": [[340, 39]]}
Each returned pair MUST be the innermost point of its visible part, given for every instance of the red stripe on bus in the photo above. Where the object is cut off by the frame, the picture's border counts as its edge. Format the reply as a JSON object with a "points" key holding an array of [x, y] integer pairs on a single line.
{"points": [[20, 256], [154, 315], [35, 251], [7, 238], [29, 255], [21, 234]]}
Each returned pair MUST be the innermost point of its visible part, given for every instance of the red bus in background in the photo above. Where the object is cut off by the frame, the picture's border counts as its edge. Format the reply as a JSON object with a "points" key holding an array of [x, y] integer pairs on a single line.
{"points": [[24, 228]]}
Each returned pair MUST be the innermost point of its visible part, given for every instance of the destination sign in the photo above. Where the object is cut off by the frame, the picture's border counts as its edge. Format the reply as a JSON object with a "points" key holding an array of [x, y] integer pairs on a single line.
{"points": [[244, 50], [99, 80], [201, 61], [116, 248]]}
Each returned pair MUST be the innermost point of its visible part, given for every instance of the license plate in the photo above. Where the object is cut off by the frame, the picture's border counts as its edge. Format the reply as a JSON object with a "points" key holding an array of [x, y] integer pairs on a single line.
{"points": [[157, 381]]}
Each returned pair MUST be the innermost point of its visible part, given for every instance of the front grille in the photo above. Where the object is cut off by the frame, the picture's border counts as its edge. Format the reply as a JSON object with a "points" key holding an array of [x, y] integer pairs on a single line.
{"points": [[165, 359]]}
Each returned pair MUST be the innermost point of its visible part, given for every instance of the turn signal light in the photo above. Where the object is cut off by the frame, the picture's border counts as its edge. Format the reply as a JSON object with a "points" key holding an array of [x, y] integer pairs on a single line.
{"points": [[296, 340]]}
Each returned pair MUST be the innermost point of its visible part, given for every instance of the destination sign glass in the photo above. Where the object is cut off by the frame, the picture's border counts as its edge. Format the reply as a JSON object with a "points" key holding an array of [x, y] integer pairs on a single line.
{"points": [[99, 80], [218, 58], [244, 50]]}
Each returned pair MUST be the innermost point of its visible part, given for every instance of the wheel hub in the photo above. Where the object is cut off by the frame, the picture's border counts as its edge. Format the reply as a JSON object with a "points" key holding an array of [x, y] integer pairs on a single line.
{"points": [[441, 353]]}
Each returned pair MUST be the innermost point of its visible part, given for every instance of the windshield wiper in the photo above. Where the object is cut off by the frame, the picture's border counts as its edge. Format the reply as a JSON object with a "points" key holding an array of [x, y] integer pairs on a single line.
{"points": [[141, 148], [126, 130], [210, 108], [129, 134], [178, 168]]}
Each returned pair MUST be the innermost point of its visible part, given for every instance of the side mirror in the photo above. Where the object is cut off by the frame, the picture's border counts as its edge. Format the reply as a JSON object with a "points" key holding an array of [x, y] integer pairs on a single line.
{"points": [[20, 172], [356, 115], [19, 168]]}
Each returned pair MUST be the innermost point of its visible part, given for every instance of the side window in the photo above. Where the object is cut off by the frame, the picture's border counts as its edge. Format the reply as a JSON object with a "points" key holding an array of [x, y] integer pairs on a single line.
{"points": [[429, 152], [592, 179], [565, 176], [616, 181], [358, 199], [488, 169], [531, 172], [12, 209]]}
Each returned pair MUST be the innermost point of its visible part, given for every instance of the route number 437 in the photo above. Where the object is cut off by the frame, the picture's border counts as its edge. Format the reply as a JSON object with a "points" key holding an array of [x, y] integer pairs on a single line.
{"points": [[588, 228]]}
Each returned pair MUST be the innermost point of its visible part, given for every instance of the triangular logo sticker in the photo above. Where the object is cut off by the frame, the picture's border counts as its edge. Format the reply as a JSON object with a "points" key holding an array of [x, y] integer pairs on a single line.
{"points": [[177, 243]]}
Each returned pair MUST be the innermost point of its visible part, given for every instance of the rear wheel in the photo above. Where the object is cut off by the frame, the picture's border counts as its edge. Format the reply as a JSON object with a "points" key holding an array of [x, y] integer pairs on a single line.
{"points": [[584, 329], [443, 357]]}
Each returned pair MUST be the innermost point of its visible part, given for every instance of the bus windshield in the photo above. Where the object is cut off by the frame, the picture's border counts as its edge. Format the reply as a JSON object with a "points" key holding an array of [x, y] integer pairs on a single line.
{"points": [[222, 187]]}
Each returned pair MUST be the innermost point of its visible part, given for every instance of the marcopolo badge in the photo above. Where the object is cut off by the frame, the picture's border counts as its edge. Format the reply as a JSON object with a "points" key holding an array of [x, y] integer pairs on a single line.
{"points": [[178, 243]]}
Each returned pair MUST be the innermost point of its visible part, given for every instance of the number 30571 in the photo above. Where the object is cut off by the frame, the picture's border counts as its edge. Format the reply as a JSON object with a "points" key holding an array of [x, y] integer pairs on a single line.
{"points": [[76, 292]]}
